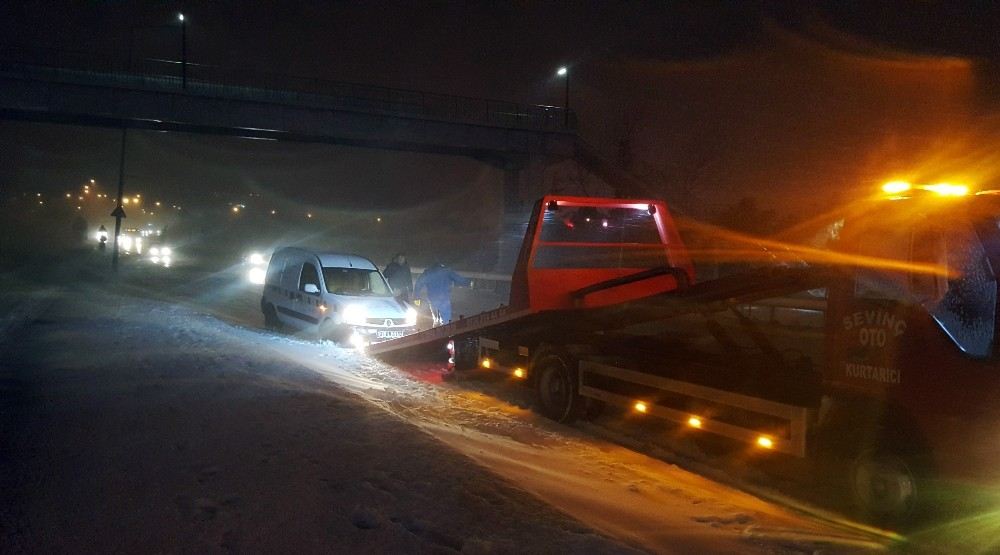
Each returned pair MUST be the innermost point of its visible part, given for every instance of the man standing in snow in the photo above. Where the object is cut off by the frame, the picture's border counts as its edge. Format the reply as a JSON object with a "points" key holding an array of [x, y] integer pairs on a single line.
{"points": [[399, 277], [438, 280]]}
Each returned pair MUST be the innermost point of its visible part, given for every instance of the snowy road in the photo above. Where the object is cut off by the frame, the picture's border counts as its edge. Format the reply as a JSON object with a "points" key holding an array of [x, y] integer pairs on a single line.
{"points": [[126, 410]]}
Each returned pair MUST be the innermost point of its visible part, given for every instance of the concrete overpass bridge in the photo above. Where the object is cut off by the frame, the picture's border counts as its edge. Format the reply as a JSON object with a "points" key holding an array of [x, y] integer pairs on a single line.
{"points": [[80, 89]]}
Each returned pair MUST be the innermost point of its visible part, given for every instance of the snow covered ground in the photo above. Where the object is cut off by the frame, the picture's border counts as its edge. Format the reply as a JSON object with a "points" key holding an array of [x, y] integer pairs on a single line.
{"points": [[136, 424]]}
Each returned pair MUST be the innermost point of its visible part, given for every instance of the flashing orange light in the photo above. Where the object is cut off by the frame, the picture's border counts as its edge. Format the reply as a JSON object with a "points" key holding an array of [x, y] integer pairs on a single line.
{"points": [[640, 407], [896, 187], [518, 372], [765, 442], [694, 422], [486, 363], [947, 189]]}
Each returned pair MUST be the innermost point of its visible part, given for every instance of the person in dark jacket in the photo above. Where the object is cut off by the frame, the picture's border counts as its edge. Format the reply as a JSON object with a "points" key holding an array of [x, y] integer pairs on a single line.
{"points": [[397, 273], [437, 280]]}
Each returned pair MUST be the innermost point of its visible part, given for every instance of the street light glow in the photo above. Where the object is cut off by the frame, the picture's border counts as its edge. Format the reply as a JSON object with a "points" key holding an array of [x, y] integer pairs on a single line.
{"points": [[180, 17], [562, 71]]}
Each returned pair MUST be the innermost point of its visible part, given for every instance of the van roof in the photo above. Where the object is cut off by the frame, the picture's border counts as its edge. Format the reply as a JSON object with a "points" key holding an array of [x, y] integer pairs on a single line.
{"points": [[329, 259], [338, 260]]}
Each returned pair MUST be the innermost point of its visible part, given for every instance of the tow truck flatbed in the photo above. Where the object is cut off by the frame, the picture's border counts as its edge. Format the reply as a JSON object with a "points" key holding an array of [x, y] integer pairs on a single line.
{"points": [[699, 297]]}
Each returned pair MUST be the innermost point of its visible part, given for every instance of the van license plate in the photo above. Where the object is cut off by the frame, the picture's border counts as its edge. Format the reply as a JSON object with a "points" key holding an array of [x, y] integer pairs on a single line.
{"points": [[389, 334]]}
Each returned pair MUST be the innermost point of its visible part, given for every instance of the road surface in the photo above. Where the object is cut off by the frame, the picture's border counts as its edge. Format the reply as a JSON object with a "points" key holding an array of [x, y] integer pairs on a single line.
{"points": [[150, 415]]}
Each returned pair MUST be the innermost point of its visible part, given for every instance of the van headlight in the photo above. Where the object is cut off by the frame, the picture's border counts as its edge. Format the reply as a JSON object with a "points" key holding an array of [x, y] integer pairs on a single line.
{"points": [[355, 314], [165, 251], [256, 275], [411, 316]]}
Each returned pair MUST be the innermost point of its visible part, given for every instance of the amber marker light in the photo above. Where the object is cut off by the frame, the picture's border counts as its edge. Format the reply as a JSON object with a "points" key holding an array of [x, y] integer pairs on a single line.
{"points": [[947, 189], [896, 187]]}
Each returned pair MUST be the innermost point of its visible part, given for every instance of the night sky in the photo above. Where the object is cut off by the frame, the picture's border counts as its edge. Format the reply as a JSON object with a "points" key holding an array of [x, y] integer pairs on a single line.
{"points": [[719, 100]]}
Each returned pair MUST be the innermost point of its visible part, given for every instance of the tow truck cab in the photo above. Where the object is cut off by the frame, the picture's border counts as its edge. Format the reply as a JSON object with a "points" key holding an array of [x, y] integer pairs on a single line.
{"points": [[911, 330]]}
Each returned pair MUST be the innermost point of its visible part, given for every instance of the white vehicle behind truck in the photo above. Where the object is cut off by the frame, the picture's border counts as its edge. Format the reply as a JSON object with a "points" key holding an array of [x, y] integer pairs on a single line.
{"points": [[334, 296]]}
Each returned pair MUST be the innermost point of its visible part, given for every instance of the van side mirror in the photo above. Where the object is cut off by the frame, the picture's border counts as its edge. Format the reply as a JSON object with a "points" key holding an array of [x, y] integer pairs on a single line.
{"points": [[311, 288]]}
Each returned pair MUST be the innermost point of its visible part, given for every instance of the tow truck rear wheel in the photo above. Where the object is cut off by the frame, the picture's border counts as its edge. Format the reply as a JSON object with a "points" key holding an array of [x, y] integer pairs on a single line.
{"points": [[885, 486], [557, 386]]}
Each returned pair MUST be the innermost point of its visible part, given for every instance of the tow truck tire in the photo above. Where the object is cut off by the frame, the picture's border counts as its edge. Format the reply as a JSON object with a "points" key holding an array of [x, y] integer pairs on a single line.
{"points": [[466, 354], [271, 321], [557, 385], [885, 486]]}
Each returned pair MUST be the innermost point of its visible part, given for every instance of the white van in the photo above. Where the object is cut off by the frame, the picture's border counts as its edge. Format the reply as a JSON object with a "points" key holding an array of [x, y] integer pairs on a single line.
{"points": [[335, 296]]}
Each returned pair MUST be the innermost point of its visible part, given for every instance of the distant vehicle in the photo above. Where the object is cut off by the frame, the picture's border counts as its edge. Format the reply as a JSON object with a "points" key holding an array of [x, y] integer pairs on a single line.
{"points": [[161, 255], [256, 264], [336, 296]]}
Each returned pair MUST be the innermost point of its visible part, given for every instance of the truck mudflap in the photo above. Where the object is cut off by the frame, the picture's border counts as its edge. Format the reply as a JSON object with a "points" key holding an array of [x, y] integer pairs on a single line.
{"points": [[785, 430]]}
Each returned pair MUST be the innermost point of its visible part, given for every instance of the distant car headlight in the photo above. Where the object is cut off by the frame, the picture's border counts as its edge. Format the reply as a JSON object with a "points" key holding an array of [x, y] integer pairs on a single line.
{"points": [[165, 251], [355, 314], [155, 251], [256, 259], [256, 275], [411, 316]]}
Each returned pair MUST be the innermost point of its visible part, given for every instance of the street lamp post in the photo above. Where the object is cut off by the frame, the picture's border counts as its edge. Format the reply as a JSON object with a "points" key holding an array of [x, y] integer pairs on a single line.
{"points": [[564, 73], [119, 212], [180, 17]]}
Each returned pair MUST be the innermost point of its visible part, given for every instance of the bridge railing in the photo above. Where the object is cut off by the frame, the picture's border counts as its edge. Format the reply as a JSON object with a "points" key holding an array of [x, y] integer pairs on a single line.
{"points": [[203, 79]]}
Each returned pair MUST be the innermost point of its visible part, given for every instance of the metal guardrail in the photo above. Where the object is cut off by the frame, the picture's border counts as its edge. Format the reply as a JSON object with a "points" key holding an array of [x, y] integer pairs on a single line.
{"points": [[210, 80]]}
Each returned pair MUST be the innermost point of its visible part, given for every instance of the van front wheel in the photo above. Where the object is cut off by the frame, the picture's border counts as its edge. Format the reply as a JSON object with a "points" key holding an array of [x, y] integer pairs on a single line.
{"points": [[327, 330], [271, 321]]}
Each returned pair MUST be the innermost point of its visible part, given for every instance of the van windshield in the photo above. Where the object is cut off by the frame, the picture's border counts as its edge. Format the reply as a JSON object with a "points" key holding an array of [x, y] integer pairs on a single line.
{"points": [[356, 282]]}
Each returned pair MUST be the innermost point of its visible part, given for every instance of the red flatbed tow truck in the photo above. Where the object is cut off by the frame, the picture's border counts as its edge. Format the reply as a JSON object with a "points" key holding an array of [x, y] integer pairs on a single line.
{"points": [[876, 359]]}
